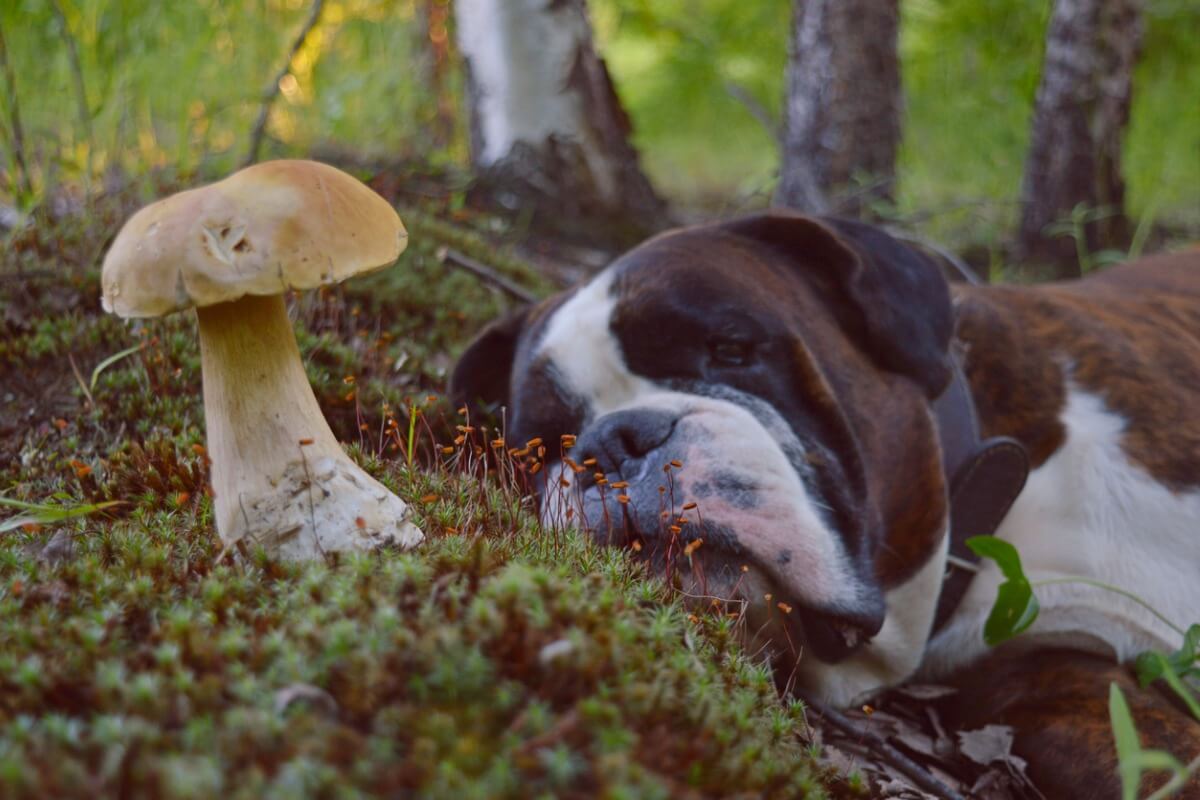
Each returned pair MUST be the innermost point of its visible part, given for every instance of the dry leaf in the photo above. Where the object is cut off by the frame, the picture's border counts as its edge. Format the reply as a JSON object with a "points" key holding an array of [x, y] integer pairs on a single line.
{"points": [[989, 743]]}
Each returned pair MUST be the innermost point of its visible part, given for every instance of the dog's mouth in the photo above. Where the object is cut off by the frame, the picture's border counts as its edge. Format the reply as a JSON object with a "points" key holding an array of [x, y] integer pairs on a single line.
{"points": [[715, 538], [717, 493], [714, 579]]}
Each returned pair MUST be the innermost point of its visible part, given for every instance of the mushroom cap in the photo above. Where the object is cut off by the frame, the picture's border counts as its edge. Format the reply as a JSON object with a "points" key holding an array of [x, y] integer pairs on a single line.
{"points": [[268, 228]]}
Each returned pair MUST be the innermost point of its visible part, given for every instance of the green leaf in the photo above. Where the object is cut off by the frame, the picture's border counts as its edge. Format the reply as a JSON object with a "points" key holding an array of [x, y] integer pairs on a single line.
{"points": [[45, 514], [1181, 688], [1004, 554], [1015, 610], [1132, 760], [1016, 606], [1151, 665], [1191, 643], [1126, 739]]}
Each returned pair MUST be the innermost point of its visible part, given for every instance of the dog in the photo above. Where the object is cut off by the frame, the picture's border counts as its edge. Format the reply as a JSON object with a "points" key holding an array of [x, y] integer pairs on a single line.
{"points": [[810, 406]]}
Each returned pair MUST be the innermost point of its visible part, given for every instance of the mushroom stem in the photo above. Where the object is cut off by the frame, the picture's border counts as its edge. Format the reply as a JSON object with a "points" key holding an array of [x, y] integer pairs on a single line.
{"points": [[279, 476]]}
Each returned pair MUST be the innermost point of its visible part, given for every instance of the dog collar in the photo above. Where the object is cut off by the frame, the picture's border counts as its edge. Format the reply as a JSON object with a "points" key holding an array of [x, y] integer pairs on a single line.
{"points": [[984, 477]]}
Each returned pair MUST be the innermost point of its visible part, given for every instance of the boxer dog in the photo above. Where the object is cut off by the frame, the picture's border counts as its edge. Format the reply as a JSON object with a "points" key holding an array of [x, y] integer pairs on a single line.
{"points": [[801, 415]]}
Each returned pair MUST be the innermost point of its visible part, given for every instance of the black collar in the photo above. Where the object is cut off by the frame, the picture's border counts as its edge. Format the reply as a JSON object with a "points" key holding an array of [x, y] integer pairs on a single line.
{"points": [[984, 478]]}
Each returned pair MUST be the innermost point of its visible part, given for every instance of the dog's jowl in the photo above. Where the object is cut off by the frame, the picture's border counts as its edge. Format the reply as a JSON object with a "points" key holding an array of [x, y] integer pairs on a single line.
{"points": [[800, 415]]}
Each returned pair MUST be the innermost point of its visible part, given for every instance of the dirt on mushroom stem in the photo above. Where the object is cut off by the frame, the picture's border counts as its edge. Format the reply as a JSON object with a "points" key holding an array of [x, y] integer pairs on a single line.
{"points": [[280, 478]]}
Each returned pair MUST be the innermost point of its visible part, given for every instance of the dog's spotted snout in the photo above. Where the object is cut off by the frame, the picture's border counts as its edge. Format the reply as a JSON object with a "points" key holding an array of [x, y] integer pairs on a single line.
{"points": [[621, 440]]}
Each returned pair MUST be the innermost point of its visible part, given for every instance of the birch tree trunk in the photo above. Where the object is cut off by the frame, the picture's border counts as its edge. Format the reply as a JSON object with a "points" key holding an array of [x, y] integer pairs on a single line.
{"points": [[1080, 117], [547, 129], [842, 110]]}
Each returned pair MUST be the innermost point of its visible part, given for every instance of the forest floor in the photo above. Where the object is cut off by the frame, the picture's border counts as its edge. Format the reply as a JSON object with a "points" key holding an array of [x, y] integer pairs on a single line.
{"points": [[499, 659]]}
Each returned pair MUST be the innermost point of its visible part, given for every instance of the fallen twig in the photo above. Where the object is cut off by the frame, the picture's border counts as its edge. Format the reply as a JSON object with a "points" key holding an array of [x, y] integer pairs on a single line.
{"points": [[920, 776], [485, 274], [272, 89], [87, 393]]}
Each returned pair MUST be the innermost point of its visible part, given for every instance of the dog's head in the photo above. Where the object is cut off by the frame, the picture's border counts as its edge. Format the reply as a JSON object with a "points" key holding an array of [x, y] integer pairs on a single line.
{"points": [[761, 386]]}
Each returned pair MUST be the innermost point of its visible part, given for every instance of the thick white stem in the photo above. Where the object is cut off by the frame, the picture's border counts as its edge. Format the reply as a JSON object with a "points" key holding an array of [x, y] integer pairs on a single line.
{"points": [[280, 478]]}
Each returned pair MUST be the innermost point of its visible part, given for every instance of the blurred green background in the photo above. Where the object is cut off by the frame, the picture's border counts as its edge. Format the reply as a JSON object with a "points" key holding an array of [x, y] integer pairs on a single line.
{"points": [[177, 85]]}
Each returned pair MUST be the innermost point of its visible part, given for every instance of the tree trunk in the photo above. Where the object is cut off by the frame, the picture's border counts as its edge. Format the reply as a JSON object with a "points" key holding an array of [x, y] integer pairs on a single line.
{"points": [[547, 130], [1082, 109], [842, 110]]}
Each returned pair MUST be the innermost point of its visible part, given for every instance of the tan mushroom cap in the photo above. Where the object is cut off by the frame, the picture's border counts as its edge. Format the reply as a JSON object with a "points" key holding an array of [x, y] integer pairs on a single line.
{"points": [[271, 227]]}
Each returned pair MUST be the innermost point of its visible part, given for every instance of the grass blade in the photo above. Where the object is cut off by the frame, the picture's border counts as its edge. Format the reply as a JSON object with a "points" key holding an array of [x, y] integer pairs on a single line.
{"points": [[1126, 739], [47, 514], [108, 362]]}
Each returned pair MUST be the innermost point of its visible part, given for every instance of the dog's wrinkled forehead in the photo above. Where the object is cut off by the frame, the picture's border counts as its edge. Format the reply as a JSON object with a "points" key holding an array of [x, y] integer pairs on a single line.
{"points": [[768, 278], [707, 268], [681, 310], [645, 317]]}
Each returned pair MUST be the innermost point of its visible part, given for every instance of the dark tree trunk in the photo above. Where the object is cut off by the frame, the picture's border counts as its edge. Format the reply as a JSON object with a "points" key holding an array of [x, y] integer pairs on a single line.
{"points": [[1075, 143], [842, 110], [548, 133]]}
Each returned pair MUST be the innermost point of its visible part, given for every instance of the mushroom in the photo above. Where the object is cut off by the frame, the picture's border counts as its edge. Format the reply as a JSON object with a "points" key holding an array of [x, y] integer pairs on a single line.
{"points": [[231, 250]]}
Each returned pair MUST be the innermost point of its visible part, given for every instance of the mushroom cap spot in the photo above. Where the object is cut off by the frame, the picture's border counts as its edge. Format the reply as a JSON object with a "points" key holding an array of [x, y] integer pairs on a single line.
{"points": [[271, 227]]}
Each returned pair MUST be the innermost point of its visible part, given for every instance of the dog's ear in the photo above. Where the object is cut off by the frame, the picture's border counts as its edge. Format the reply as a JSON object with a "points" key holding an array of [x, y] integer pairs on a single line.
{"points": [[893, 298], [483, 373]]}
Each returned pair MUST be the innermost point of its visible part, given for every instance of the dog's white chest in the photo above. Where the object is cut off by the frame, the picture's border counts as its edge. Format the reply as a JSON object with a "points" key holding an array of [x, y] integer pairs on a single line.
{"points": [[1091, 512]]}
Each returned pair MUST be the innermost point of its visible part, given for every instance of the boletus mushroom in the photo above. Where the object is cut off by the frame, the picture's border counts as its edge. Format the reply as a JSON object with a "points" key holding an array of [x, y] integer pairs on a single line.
{"points": [[231, 250]]}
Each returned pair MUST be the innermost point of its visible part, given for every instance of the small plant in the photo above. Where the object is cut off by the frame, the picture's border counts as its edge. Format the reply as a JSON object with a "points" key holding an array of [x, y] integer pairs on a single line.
{"points": [[1017, 608], [1075, 225]]}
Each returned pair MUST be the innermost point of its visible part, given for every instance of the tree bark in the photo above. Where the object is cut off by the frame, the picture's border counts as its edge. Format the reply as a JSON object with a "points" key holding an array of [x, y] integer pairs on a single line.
{"points": [[547, 130], [843, 104], [1080, 117]]}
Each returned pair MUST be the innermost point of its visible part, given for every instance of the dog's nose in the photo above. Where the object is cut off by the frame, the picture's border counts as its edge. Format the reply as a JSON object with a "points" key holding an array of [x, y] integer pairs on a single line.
{"points": [[624, 436]]}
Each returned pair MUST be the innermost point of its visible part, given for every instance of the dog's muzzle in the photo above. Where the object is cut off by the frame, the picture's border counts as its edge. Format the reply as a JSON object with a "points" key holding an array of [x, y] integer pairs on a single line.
{"points": [[715, 520]]}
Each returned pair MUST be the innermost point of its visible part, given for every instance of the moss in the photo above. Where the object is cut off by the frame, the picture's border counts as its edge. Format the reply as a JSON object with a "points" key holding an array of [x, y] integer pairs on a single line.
{"points": [[491, 665], [499, 660]]}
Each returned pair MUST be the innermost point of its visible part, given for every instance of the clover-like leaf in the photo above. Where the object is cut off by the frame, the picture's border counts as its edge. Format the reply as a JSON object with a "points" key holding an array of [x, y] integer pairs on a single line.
{"points": [[1152, 666], [1184, 661], [1016, 606], [1149, 667]]}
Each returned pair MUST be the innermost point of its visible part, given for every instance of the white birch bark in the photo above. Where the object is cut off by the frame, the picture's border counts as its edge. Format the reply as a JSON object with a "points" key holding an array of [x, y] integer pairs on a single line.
{"points": [[545, 119]]}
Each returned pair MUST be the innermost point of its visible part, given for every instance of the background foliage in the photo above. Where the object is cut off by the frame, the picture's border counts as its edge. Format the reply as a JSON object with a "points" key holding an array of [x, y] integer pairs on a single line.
{"points": [[129, 634], [177, 85]]}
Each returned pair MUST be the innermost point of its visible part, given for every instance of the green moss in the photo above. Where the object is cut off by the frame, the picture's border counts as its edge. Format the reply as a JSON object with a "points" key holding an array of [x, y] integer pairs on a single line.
{"points": [[494, 665], [498, 660]]}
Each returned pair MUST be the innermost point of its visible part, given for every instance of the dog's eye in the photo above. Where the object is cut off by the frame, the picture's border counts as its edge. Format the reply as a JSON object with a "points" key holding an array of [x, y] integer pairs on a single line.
{"points": [[730, 353]]}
